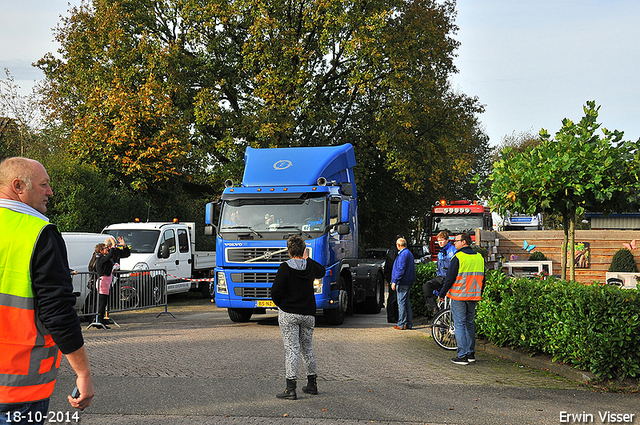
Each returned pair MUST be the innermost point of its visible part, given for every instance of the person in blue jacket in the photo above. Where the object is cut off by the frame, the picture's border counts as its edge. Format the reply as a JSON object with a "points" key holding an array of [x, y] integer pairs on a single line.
{"points": [[402, 278], [446, 253]]}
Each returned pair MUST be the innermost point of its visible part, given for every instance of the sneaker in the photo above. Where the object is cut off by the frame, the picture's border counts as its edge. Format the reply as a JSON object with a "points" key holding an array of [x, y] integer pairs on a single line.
{"points": [[399, 328], [460, 360], [471, 357]]}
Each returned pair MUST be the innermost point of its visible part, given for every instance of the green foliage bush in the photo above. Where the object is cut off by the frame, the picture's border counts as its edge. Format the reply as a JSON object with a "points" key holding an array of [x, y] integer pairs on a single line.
{"points": [[623, 261], [537, 256], [592, 327], [424, 272], [481, 250]]}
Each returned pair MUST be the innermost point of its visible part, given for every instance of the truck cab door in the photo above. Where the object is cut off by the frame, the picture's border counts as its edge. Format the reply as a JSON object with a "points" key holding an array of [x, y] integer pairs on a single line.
{"points": [[165, 254], [183, 255]]}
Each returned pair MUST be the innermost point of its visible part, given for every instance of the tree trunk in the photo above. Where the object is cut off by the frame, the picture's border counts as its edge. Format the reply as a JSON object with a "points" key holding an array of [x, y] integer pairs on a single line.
{"points": [[572, 246], [565, 241]]}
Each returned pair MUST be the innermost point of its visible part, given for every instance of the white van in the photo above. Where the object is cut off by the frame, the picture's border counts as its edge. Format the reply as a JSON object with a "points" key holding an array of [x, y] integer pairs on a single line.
{"points": [[80, 248]]}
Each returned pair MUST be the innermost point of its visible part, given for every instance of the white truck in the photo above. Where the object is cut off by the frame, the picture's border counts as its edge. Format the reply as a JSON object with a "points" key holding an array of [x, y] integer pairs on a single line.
{"points": [[80, 248], [168, 246]]}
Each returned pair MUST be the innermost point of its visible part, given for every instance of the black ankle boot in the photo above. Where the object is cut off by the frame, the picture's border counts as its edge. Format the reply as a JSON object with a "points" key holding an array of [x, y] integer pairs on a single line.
{"points": [[312, 385], [290, 392], [102, 308]]}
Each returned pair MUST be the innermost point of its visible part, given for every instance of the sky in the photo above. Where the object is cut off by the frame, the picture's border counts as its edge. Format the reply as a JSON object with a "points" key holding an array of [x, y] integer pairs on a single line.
{"points": [[530, 63]]}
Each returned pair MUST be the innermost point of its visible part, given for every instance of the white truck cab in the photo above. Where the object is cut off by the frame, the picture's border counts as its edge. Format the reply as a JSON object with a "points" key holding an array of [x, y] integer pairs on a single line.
{"points": [[160, 245]]}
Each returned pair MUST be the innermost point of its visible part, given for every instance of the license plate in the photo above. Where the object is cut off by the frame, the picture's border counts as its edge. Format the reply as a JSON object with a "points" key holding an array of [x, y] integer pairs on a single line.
{"points": [[265, 304]]}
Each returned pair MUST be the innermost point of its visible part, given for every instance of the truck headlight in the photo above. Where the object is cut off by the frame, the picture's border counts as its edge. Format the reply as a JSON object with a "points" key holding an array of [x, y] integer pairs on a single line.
{"points": [[221, 284], [317, 286], [140, 266]]}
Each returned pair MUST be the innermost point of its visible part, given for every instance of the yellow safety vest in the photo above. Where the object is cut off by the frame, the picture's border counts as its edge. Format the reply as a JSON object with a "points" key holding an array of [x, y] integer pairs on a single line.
{"points": [[29, 359], [468, 283]]}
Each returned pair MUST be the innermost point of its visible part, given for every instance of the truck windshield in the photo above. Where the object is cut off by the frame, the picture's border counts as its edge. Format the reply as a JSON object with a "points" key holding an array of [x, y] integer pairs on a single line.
{"points": [[273, 214], [139, 241], [457, 224]]}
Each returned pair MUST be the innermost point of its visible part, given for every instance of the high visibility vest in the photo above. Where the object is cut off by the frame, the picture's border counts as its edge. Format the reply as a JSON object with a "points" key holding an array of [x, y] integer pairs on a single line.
{"points": [[468, 283], [29, 359]]}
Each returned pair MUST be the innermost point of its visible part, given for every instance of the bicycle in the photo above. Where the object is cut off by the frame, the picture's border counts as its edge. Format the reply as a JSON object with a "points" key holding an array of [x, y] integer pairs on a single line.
{"points": [[442, 328]]}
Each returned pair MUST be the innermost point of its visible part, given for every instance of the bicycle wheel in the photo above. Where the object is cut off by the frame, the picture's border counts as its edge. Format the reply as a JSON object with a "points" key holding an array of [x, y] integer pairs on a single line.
{"points": [[443, 331]]}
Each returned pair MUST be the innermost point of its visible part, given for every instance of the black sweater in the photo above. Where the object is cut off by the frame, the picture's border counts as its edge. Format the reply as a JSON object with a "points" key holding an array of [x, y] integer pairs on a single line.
{"points": [[53, 290], [292, 290]]}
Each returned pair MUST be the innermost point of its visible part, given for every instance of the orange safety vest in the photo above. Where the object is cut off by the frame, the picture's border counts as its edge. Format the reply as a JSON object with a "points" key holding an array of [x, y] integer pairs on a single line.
{"points": [[29, 359], [468, 283]]}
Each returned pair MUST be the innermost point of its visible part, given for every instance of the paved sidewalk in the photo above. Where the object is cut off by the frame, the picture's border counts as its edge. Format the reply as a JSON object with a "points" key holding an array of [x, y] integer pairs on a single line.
{"points": [[542, 362]]}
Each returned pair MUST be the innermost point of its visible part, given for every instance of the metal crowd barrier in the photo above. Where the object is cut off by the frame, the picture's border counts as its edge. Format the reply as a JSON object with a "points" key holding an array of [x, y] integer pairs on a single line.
{"points": [[129, 291]]}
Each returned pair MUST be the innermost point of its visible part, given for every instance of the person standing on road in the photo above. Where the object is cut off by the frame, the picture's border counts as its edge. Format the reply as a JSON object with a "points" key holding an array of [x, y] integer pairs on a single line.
{"points": [[107, 262], [446, 253], [37, 316], [463, 284], [292, 292], [392, 299], [402, 279]]}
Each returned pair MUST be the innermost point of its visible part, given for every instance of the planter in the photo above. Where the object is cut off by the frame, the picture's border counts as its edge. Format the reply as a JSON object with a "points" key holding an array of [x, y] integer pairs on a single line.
{"points": [[629, 279]]}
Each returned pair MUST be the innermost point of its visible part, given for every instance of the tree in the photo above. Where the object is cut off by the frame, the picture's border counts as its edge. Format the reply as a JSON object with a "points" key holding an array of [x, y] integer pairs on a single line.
{"points": [[20, 119], [159, 91], [576, 171]]}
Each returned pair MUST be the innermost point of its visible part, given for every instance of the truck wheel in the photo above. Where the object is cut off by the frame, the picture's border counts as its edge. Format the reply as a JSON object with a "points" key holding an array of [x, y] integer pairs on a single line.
{"points": [[240, 314], [374, 304], [335, 316], [208, 290]]}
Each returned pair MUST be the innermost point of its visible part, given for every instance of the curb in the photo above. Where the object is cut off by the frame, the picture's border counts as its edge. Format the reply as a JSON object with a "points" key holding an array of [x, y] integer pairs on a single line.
{"points": [[543, 362]]}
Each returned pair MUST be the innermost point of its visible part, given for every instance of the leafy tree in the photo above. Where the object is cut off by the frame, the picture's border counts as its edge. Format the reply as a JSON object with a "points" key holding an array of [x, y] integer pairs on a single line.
{"points": [[166, 92], [576, 171]]}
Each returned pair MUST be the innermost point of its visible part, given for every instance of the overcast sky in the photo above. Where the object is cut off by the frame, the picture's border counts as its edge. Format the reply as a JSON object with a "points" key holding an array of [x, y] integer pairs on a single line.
{"points": [[531, 63]]}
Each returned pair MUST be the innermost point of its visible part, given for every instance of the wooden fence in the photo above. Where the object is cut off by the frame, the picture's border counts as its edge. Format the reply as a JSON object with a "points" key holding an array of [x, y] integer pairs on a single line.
{"points": [[602, 245]]}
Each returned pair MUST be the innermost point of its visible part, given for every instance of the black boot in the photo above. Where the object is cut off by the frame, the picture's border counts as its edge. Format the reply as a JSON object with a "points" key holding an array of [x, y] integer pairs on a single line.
{"points": [[290, 392], [312, 385], [102, 308]]}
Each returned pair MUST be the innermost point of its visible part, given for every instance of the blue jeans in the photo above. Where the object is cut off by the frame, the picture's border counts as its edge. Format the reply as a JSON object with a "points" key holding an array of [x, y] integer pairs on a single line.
{"points": [[404, 305], [464, 315], [24, 413]]}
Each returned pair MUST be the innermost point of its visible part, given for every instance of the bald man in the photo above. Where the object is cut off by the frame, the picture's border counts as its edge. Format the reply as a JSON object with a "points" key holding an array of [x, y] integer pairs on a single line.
{"points": [[37, 317]]}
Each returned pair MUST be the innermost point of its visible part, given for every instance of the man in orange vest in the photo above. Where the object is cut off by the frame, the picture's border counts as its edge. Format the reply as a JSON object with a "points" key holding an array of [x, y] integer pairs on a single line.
{"points": [[37, 316], [463, 284]]}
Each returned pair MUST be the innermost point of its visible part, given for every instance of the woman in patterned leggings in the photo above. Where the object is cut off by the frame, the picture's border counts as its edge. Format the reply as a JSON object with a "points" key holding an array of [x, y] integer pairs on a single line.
{"points": [[292, 292]]}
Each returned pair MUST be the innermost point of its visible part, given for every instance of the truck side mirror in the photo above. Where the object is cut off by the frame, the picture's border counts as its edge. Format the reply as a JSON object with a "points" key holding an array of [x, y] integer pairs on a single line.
{"points": [[209, 213], [344, 213], [347, 189], [164, 251], [344, 229]]}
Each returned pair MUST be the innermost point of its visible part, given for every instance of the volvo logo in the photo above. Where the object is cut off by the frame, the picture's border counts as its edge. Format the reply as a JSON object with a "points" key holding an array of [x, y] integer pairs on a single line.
{"points": [[267, 255], [282, 164]]}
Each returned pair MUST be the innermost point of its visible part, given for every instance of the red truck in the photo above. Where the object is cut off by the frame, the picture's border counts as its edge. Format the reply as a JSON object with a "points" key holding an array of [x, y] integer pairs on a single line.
{"points": [[457, 217]]}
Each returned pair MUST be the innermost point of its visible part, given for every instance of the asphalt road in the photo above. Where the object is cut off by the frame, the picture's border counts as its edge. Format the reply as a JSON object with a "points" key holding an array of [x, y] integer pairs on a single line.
{"points": [[200, 368]]}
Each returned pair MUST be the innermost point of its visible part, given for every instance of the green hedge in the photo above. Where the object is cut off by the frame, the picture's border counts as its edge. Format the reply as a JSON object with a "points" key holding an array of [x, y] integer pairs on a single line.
{"points": [[592, 327], [424, 272]]}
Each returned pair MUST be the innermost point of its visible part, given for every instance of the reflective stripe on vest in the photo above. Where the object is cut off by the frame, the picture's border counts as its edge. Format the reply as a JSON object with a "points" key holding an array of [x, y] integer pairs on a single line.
{"points": [[29, 359], [468, 283]]}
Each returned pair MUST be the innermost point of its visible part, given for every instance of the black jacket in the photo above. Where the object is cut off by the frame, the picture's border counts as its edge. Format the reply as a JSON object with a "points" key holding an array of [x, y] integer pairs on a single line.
{"points": [[292, 290], [53, 290], [390, 258]]}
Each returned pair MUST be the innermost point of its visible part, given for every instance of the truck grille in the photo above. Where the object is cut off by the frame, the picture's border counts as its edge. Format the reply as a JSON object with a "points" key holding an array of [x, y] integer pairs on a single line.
{"points": [[253, 277], [253, 292], [257, 255]]}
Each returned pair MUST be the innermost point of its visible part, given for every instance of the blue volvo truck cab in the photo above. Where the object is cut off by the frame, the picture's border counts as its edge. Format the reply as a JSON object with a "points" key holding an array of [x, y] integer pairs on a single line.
{"points": [[308, 191]]}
